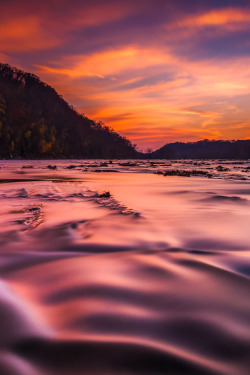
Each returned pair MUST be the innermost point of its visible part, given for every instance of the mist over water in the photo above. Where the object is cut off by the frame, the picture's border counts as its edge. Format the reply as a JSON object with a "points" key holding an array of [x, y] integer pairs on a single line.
{"points": [[153, 279]]}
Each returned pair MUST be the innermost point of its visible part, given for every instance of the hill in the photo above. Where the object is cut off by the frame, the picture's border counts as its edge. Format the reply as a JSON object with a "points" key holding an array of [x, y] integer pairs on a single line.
{"points": [[204, 150], [36, 122]]}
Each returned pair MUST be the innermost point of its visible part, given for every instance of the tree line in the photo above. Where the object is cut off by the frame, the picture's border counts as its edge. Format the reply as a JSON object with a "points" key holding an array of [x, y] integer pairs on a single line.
{"points": [[205, 149], [36, 122]]}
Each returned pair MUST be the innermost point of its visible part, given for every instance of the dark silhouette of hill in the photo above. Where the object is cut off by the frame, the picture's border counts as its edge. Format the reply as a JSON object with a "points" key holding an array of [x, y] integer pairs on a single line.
{"points": [[36, 122], [204, 150]]}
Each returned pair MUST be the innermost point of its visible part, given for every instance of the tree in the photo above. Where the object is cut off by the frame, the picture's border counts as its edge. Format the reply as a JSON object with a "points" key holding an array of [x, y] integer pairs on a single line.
{"points": [[35, 121]]}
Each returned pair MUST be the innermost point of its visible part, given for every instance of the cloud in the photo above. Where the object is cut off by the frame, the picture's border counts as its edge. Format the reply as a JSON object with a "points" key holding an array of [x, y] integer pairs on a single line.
{"points": [[161, 92], [40, 26], [98, 14], [24, 34], [210, 32], [229, 18], [201, 113], [154, 71], [109, 62]]}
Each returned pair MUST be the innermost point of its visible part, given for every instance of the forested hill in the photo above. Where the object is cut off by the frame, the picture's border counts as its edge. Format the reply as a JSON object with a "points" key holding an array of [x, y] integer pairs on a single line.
{"points": [[204, 150], [35, 122]]}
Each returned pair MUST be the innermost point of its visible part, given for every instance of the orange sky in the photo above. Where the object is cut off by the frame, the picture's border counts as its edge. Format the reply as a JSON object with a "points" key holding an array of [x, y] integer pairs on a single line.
{"points": [[155, 71]]}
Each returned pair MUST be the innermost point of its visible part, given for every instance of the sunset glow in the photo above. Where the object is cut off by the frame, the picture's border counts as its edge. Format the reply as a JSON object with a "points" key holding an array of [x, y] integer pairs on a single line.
{"points": [[155, 71]]}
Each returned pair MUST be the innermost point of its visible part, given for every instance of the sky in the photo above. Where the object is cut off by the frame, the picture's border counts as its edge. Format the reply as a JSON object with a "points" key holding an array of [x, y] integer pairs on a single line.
{"points": [[156, 71]]}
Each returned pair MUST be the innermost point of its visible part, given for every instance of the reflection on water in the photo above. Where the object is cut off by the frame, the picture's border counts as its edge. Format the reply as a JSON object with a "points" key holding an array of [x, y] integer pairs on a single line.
{"points": [[151, 280]]}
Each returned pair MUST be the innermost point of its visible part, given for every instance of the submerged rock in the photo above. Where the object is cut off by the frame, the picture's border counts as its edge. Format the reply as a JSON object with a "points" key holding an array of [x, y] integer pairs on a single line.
{"points": [[51, 167]]}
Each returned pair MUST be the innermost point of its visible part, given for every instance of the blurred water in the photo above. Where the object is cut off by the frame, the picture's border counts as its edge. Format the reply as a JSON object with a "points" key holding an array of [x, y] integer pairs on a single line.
{"points": [[151, 280]]}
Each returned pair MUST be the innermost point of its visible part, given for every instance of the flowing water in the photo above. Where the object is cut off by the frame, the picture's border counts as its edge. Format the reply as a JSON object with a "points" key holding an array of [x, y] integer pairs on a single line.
{"points": [[152, 278]]}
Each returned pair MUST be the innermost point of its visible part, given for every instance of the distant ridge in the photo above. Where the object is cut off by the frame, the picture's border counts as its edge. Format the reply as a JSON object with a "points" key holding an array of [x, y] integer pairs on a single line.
{"points": [[204, 150], [36, 122]]}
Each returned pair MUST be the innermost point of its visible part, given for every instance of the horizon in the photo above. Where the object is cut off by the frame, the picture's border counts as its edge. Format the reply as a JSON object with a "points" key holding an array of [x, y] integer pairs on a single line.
{"points": [[155, 72]]}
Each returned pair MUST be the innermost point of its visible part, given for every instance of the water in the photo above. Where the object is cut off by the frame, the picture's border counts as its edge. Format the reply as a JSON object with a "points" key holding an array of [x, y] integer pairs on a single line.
{"points": [[151, 280]]}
